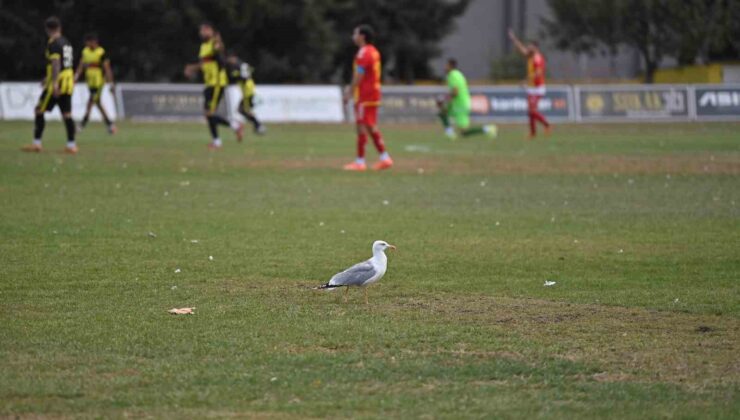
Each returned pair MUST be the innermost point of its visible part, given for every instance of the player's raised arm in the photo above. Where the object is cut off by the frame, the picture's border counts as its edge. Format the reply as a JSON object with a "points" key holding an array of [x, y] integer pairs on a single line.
{"points": [[517, 43]]}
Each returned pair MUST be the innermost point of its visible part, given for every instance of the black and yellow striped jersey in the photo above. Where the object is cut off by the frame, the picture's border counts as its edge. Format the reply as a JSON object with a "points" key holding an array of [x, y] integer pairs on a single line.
{"points": [[93, 59], [240, 74], [59, 48], [211, 58]]}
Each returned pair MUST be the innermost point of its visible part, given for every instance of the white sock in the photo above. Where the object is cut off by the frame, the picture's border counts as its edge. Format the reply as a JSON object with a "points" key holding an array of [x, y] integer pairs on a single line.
{"points": [[450, 131], [71, 143], [360, 161], [235, 125], [37, 142], [385, 156], [217, 141]]}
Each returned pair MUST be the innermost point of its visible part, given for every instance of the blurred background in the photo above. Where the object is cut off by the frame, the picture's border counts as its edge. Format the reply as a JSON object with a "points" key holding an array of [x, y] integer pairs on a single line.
{"points": [[308, 41]]}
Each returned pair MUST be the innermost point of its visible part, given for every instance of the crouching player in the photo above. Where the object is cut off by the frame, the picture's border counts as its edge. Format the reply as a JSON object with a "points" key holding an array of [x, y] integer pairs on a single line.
{"points": [[95, 64], [240, 74], [366, 91], [456, 107]]}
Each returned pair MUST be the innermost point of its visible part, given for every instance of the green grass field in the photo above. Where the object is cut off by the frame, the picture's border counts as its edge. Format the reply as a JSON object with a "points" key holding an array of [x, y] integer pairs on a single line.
{"points": [[639, 225]]}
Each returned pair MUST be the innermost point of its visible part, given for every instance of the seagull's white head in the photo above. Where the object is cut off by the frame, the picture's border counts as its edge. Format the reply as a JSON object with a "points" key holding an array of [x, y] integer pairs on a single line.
{"points": [[381, 246]]}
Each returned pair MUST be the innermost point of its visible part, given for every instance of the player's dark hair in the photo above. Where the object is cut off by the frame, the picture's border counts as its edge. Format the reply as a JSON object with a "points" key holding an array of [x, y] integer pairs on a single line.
{"points": [[452, 62], [91, 36], [208, 24], [368, 32], [52, 23]]}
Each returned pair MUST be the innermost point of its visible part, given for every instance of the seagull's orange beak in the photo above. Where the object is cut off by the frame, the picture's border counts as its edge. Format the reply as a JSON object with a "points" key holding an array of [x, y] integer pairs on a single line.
{"points": [[393, 247]]}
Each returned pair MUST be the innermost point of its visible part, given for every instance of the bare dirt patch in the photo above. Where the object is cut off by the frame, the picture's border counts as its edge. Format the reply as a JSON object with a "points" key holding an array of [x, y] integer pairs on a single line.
{"points": [[506, 165], [627, 343]]}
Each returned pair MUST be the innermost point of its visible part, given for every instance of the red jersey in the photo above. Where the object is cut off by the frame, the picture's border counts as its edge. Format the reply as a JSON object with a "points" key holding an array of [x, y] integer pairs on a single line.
{"points": [[367, 64], [536, 70]]}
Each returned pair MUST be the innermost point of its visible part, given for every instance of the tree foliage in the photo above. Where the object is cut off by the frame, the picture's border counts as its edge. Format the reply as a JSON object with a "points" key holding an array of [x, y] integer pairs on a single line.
{"points": [[286, 40], [686, 30]]}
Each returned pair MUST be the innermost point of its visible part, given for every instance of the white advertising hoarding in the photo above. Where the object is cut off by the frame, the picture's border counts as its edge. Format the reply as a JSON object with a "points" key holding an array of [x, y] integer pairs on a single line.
{"points": [[18, 100]]}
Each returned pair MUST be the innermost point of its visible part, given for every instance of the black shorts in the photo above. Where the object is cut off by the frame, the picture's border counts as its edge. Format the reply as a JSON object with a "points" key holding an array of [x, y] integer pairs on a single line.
{"points": [[212, 96], [95, 94], [247, 104], [47, 102]]}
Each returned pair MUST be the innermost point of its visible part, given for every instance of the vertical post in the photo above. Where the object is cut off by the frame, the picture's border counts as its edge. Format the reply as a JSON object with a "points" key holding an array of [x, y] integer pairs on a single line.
{"points": [[522, 24]]}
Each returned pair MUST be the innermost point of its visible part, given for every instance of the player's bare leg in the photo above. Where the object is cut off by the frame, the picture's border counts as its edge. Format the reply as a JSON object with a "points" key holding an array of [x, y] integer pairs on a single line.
{"points": [[112, 129], [86, 118]]}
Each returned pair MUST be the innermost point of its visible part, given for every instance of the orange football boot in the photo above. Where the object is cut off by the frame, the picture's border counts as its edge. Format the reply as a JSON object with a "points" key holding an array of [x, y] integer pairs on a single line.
{"points": [[354, 166], [383, 164], [32, 148]]}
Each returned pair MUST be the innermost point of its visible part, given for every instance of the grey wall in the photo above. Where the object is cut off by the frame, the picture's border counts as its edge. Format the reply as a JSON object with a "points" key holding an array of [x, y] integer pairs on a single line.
{"points": [[481, 37]]}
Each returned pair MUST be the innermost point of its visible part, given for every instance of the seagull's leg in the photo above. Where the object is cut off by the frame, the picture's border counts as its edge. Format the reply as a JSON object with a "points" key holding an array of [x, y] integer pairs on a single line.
{"points": [[346, 293], [366, 302]]}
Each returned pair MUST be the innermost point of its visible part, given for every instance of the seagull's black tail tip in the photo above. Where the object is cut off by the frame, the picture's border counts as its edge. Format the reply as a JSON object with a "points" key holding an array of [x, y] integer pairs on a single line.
{"points": [[326, 286]]}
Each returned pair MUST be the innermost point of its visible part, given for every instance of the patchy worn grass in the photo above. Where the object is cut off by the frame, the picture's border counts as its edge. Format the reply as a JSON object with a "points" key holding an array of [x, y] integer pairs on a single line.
{"points": [[638, 225]]}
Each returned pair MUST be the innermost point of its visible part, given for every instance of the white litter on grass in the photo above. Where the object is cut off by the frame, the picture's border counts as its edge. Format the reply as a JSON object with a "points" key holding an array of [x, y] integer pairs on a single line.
{"points": [[92, 210], [386, 202], [498, 223], [342, 232], [676, 300], [183, 169], [417, 148], [210, 258], [321, 223], [549, 283], [177, 270], [420, 171], [151, 234], [273, 379], [483, 183], [194, 241], [621, 251], [575, 241], [173, 288], [166, 193], [54, 232], [184, 183]]}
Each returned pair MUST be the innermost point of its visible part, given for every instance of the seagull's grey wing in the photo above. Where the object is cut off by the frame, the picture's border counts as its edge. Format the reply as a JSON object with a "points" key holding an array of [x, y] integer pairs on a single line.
{"points": [[356, 275]]}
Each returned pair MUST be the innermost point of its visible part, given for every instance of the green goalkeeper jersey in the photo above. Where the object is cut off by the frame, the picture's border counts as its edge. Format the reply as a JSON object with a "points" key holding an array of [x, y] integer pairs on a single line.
{"points": [[456, 80]]}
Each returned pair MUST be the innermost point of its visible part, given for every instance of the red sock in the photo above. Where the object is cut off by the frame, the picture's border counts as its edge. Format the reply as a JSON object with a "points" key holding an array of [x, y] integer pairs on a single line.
{"points": [[541, 118], [532, 124], [378, 140], [361, 141]]}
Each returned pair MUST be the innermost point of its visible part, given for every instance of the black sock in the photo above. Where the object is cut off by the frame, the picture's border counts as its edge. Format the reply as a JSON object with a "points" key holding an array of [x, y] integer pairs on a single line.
{"points": [[107, 121], [251, 118], [39, 125], [213, 127], [85, 119], [473, 131], [444, 118], [70, 125], [220, 120]]}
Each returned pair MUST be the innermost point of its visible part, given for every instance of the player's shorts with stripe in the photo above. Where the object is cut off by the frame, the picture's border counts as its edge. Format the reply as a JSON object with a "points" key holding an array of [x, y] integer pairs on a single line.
{"points": [[95, 93], [212, 96], [366, 113], [536, 90], [47, 102]]}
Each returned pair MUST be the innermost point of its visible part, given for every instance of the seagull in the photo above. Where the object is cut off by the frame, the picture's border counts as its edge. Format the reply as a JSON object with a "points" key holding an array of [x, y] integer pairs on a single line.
{"points": [[363, 274]]}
